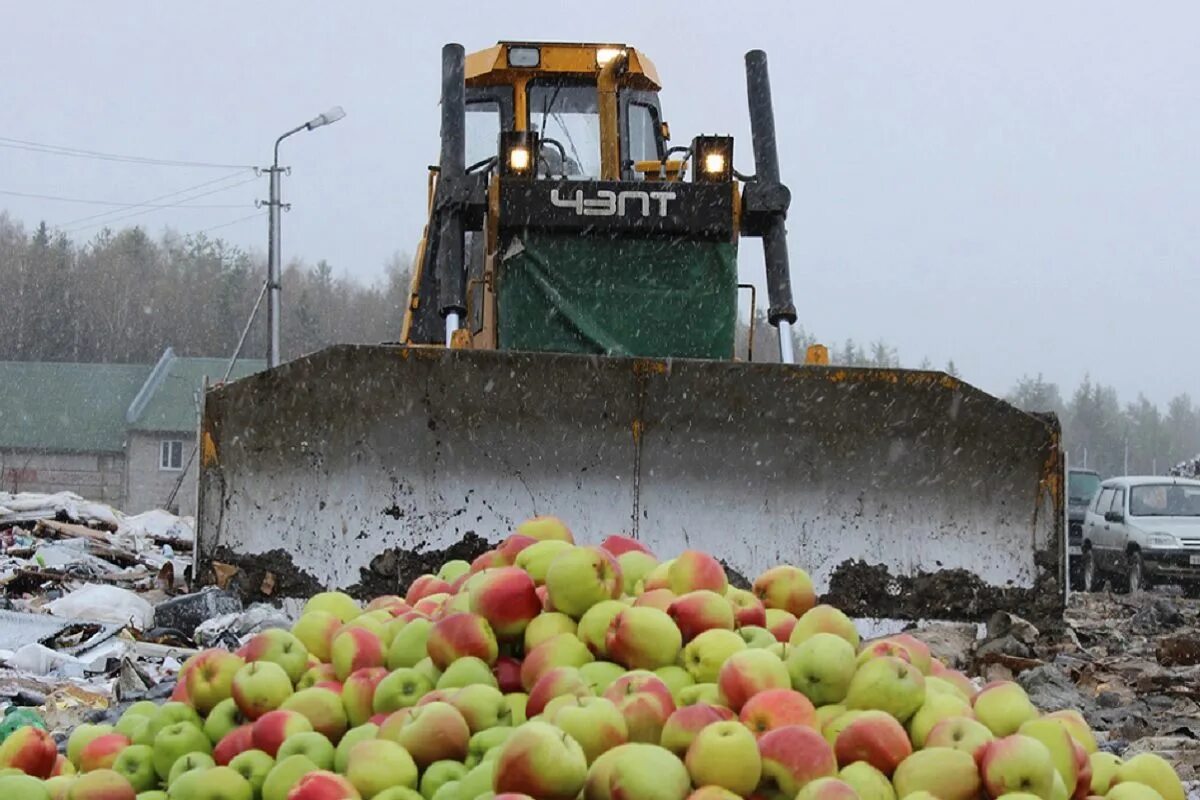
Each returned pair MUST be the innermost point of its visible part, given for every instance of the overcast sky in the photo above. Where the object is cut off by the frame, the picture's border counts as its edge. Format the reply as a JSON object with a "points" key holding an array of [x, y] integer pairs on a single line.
{"points": [[1014, 185]]}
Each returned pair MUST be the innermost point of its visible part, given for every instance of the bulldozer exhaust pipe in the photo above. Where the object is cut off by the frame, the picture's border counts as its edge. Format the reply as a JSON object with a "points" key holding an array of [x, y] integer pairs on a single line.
{"points": [[452, 168], [766, 167]]}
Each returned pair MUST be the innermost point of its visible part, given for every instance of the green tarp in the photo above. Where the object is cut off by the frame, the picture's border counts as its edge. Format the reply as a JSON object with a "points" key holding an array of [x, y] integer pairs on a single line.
{"points": [[568, 293]]}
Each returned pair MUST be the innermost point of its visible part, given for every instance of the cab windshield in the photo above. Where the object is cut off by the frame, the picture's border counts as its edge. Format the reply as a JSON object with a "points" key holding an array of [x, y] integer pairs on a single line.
{"points": [[569, 115], [1164, 500]]}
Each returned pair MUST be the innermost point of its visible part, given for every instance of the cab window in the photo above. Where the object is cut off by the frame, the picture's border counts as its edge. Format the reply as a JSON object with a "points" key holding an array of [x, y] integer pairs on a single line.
{"points": [[643, 133], [568, 114], [1103, 501], [483, 130]]}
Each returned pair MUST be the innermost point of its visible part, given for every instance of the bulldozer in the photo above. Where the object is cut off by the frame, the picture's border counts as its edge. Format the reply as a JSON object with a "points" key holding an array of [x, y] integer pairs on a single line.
{"points": [[568, 348]]}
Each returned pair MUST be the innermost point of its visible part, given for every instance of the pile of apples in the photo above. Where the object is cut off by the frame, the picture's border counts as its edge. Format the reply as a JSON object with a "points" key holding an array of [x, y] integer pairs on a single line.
{"points": [[554, 671]]}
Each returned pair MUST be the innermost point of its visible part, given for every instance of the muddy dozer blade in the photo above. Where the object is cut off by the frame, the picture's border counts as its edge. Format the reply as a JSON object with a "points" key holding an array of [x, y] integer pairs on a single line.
{"points": [[905, 494]]}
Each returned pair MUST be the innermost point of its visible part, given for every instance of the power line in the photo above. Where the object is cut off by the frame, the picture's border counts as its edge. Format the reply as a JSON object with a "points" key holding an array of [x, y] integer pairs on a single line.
{"points": [[259, 215], [122, 203], [166, 196], [183, 203], [76, 152]]}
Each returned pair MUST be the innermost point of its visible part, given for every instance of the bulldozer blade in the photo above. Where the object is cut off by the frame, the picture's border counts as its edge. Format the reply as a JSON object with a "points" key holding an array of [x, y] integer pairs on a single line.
{"points": [[905, 494]]}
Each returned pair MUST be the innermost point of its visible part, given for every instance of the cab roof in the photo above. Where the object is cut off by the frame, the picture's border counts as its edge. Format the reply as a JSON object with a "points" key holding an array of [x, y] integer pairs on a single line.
{"points": [[490, 67], [1147, 480]]}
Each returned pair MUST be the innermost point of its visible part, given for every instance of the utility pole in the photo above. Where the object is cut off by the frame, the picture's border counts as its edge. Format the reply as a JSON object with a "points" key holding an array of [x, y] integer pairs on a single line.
{"points": [[275, 206]]}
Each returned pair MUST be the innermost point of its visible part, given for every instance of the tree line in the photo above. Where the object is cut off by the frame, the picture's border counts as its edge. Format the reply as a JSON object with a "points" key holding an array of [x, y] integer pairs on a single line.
{"points": [[123, 296]]}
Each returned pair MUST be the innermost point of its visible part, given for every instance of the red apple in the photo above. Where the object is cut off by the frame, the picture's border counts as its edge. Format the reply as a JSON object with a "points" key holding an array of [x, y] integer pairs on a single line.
{"points": [[793, 756], [684, 723], [875, 737], [236, 742], [786, 588], [358, 693], [699, 611], [323, 785], [747, 609], [458, 635], [31, 750], [617, 545], [507, 599], [693, 570], [425, 586], [101, 752], [269, 730], [775, 708], [508, 674]]}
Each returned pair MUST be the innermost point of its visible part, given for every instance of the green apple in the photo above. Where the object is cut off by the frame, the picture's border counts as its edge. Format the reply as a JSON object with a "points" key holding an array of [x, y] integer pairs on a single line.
{"points": [[156, 794], [340, 604], [1130, 791], [449, 789], [599, 675], [22, 786], [642, 771], [408, 643], [725, 754], [595, 722], [315, 746], [482, 706], [937, 707], [175, 741], [400, 793], [546, 625], [136, 763], [942, 771], [378, 764], [888, 684], [704, 655], [478, 780], [315, 630], [466, 671], [757, 636], [58, 787], [580, 577], [541, 761], [868, 782], [1104, 769], [438, 774], [168, 714], [824, 619], [401, 689], [427, 668], [134, 726], [635, 566], [1061, 747], [644, 638], [676, 678], [453, 570], [1151, 770], [706, 693], [218, 783], [821, 667], [224, 717], [362, 733], [1003, 707], [483, 743], [254, 766], [188, 762], [516, 707], [259, 687], [279, 647], [1017, 764], [284, 775], [536, 558]]}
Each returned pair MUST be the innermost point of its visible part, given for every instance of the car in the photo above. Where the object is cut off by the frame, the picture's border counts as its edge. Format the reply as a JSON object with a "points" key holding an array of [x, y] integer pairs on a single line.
{"points": [[1082, 486], [1141, 531]]}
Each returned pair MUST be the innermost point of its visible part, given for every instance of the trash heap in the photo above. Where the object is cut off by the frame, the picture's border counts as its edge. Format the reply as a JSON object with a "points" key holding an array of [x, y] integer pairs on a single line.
{"points": [[95, 605], [550, 670]]}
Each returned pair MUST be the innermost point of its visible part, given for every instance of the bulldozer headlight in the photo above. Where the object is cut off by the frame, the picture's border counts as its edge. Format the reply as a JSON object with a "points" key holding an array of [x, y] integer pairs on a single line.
{"points": [[518, 159], [607, 54], [524, 57], [518, 153], [712, 157]]}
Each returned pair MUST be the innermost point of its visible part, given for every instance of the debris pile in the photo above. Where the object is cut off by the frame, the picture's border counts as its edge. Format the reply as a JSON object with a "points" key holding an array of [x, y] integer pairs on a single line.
{"points": [[1129, 663]]}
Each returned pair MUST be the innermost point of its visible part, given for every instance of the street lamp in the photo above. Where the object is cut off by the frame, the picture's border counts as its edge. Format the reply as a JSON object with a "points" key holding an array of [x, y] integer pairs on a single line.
{"points": [[275, 206]]}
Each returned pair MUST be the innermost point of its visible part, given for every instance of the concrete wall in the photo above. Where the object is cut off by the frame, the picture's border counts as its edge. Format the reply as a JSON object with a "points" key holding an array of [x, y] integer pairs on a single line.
{"points": [[94, 476], [149, 485]]}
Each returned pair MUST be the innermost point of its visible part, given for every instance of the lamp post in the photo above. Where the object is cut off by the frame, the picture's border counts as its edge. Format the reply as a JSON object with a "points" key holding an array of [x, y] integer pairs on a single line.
{"points": [[275, 206]]}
